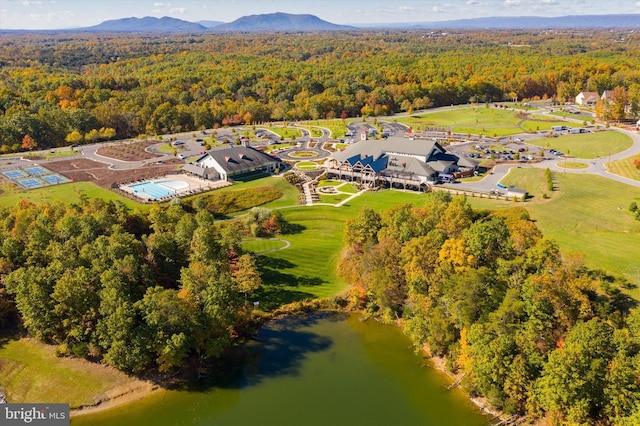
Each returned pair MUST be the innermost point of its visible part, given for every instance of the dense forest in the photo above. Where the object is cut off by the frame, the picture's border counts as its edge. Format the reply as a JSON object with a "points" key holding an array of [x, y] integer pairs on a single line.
{"points": [[136, 291], [59, 89], [533, 331]]}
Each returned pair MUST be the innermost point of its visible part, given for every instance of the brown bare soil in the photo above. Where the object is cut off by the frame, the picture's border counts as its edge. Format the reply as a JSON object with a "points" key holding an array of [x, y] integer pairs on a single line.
{"points": [[129, 152], [84, 170]]}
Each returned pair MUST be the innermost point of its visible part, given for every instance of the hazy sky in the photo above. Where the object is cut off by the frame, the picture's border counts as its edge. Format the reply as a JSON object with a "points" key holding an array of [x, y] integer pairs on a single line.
{"points": [[55, 14]]}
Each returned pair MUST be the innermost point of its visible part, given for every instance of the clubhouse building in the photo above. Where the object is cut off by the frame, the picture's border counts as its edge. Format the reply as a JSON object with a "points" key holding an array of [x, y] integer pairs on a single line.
{"points": [[235, 163], [399, 163]]}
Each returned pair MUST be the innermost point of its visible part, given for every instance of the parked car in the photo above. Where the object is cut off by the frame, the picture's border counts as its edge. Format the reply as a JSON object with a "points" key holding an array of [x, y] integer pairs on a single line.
{"points": [[181, 156]]}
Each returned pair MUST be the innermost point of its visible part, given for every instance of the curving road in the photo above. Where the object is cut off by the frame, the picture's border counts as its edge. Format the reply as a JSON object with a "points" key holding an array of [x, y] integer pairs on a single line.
{"points": [[595, 167]]}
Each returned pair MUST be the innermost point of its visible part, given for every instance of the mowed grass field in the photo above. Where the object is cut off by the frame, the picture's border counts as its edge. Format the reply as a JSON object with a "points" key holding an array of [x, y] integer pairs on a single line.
{"points": [[586, 214], [66, 193], [66, 380], [307, 269], [479, 120], [591, 145], [624, 168]]}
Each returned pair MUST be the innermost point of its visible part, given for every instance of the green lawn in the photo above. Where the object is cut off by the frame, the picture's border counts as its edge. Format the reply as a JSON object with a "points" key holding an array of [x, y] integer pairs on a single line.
{"points": [[572, 165], [258, 245], [479, 120], [337, 127], [289, 192], [24, 362], [624, 168], [306, 165], [329, 183], [587, 214], [271, 148], [332, 198], [307, 269], [66, 193], [287, 133], [531, 179], [348, 188], [591, 145]]}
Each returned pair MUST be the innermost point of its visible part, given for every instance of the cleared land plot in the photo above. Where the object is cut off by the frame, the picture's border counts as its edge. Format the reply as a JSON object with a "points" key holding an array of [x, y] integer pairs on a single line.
{"points": [[129, 151]]}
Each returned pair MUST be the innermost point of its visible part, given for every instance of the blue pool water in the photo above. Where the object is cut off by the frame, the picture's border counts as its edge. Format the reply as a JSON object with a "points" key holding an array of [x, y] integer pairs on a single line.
{"points": [[154, 190]]}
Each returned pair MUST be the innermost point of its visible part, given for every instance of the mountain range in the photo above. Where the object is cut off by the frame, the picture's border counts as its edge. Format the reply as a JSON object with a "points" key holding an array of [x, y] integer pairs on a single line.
{"points": [[291, 22]]}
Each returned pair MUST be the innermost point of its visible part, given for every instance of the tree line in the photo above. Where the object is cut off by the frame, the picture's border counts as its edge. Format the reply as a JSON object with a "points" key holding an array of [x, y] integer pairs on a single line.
{"points": [[67, 89], [532, 330], [135, 291]]}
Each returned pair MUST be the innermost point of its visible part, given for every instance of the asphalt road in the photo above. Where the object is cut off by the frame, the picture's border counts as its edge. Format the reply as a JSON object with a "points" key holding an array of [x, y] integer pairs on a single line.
{"points": [[192, 147]]}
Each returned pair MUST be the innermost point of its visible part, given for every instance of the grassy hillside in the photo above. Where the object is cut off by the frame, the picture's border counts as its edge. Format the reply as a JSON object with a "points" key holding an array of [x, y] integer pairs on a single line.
{"points": [[586, 214]]}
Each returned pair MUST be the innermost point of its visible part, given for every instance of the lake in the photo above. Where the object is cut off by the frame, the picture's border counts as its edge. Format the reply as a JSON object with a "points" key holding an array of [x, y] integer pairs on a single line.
{"points": [[321, 369]]}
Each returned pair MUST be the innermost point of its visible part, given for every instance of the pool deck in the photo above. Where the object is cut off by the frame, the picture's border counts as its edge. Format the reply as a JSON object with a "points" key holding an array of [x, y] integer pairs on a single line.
{"points": [[195, 186]]}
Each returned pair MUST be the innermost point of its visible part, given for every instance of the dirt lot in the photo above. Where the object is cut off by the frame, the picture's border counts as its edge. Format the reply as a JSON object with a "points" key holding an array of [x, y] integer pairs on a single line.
{"points": [[129, 152], [83, 170]]}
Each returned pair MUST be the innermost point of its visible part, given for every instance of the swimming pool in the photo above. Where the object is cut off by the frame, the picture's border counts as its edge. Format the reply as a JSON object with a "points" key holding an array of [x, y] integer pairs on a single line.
{"points": [[159, 189]]}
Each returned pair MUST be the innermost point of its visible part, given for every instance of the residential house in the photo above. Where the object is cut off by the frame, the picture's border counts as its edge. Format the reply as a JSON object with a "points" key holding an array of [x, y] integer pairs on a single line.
{"points": [[587, 98]]}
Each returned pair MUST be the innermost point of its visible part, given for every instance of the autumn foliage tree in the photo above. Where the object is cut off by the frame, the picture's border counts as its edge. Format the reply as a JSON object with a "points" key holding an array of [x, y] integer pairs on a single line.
{"points": [[530, 329], [28, 143]]}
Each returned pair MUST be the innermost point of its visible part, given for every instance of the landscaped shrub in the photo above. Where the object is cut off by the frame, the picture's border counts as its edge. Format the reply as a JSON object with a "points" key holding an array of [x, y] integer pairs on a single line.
{"points": [[547, 174]]}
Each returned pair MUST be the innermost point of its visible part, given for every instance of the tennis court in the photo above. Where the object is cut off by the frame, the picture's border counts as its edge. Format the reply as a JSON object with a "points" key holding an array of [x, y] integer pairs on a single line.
{"points": [[14, 174], [36, 171], [30, 183], [34, 177], [54, 179]]}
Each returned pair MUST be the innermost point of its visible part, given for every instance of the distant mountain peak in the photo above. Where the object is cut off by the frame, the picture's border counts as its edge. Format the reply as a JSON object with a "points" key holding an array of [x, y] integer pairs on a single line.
{"points": [[280, 21], [147, 23]]}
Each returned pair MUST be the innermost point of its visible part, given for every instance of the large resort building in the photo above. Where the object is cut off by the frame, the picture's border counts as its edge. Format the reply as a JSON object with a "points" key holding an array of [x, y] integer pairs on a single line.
{"points": [[400, 163]]}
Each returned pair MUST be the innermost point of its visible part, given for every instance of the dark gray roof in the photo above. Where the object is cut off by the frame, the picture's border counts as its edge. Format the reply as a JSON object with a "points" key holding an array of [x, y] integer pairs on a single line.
{"points": [[377, 148], [401, 156], [241, 158], [197, 170]]}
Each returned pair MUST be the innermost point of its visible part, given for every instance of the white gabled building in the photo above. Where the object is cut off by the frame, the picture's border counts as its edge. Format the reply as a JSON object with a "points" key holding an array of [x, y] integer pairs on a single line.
{"points": [[587, 98], [230, 163]]}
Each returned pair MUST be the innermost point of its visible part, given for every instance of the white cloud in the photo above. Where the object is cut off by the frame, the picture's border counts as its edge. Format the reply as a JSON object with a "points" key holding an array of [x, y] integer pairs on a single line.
{"points": [[473, 2], [549, 2], [177, 10], [158, 4], [512, 3], [46, 18]]}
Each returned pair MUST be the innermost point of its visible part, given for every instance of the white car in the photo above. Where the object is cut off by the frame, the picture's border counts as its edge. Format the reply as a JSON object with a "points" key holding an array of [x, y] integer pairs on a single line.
{"points": [[181, 156]]}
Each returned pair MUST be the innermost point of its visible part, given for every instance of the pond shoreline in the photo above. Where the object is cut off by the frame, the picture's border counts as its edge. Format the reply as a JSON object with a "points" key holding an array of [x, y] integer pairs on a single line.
{"points": [[117, 396], [139, 389]]}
